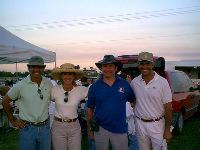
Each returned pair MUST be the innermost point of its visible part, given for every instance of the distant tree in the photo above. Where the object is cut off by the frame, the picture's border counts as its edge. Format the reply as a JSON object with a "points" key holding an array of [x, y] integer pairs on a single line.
{"points": [[21, 74], [10, 74], [6, 74]]}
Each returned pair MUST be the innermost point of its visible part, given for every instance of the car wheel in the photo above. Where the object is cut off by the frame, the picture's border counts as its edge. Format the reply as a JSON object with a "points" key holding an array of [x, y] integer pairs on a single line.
{"points": [[179, 124]]}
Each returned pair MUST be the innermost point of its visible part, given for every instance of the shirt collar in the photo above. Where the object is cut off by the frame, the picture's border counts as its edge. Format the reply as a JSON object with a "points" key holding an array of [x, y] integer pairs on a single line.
{"points": [[154, 78], [28, 79], [117, 77]]}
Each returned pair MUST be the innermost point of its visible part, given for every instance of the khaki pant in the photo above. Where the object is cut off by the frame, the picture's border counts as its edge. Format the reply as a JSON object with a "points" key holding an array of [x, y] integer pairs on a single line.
{"points": [[66, 136], [118, 141]]}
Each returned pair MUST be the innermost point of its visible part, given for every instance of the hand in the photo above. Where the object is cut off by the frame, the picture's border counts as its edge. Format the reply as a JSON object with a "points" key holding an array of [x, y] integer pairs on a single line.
{"points": [[91, 134], [167, 135], [128, 78], [18, 123]]}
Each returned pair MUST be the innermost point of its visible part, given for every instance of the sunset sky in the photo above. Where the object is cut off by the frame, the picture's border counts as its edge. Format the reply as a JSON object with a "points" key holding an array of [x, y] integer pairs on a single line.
{"points": [[83, 31]]}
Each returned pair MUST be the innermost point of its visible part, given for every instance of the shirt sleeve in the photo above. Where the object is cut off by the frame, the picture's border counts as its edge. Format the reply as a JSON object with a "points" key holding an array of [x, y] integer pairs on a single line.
{"points": [[167, 94], [91, 98], [84, 91], [53, 93], [14, 92]]}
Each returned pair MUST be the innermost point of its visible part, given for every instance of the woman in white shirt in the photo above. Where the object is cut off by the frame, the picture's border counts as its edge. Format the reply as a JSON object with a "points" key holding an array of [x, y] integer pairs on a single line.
{"points": [[66, 130]]}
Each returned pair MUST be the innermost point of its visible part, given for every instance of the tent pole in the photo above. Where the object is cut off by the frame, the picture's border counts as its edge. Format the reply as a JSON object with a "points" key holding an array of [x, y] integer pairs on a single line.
{"points": [[16, 67], [55, 61]]}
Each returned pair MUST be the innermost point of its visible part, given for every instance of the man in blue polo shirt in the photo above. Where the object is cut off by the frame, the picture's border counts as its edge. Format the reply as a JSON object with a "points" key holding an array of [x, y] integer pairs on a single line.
{"points": [[107, 105]]}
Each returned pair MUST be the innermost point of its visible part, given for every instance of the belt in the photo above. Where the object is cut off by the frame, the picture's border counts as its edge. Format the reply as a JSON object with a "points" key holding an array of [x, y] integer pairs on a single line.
{"points": [[36, 123], [150, 120], [65, 120]]}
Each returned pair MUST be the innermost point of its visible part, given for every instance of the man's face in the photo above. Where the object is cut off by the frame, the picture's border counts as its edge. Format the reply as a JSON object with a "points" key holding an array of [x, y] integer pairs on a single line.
{"points": [[109, 70], [36, 71], [145, 67]]}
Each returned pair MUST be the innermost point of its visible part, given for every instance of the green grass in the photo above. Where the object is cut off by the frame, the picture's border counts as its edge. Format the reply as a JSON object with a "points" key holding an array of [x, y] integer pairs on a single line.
{"points": [[9, 141], [189, 139]]}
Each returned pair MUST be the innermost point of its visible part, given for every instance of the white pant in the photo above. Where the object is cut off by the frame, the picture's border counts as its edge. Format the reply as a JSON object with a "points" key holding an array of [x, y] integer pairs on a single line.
{"points": [[150, 135]]}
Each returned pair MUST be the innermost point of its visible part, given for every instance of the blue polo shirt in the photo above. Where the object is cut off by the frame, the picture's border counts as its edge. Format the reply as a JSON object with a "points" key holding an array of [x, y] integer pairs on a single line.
{"points": [[109, 103]]}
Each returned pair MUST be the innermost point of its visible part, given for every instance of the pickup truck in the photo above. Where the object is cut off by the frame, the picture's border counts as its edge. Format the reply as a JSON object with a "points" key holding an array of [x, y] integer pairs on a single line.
{"points": [[186, 97]]}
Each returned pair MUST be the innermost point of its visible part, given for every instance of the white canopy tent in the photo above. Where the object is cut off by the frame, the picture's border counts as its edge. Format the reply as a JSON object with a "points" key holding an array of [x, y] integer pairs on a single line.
{"points": [[15, 50]]}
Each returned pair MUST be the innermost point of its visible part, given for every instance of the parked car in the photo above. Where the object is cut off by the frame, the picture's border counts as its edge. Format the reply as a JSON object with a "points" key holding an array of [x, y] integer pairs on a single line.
{"points": [[185, 96]]}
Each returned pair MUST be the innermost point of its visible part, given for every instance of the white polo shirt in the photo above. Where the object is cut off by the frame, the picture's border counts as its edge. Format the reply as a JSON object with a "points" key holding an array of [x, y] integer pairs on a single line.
{"points": [[68, 109], [151, 97], [130, 118]]}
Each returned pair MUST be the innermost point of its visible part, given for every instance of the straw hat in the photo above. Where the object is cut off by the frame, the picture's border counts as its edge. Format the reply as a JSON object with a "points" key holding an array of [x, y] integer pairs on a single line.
{"points": [[67, 67]]}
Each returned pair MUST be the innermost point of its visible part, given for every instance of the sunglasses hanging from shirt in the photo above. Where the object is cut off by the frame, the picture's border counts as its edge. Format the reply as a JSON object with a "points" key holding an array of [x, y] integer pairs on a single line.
{"points": [[40, 94], [66, 97]]}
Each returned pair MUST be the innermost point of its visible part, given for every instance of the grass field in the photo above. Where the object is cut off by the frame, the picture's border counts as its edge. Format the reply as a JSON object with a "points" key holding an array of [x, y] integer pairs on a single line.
{"points": [[188, 140]]}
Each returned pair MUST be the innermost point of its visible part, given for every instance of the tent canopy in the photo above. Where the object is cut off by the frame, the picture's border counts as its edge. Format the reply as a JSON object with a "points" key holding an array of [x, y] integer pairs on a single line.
{"points": [[15, 50]]}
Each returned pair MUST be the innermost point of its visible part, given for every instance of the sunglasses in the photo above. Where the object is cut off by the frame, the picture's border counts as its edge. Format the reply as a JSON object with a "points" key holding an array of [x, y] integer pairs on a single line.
{"points": [[145, 63], [68, 73], [35, 66], [66, 97], [40, 93]]}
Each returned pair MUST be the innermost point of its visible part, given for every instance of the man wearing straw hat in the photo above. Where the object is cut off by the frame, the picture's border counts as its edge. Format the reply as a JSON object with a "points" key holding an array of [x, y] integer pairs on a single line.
{"points": [[33, 96], [107, 106]]}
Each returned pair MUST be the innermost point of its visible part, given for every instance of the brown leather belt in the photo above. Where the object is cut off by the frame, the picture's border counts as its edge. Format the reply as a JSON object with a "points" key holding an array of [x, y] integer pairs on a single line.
{"points": [[36, 123], [150, 120], [65, 120]]}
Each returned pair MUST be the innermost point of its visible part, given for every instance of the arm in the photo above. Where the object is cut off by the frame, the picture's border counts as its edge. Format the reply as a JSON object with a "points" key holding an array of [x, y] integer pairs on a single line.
{"points": [[7, 108], [90, 112], [168, 120]]}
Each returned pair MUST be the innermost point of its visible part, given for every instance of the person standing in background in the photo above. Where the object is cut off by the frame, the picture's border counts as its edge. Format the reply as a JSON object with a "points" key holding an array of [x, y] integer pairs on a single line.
{"points": [[130, 118]]}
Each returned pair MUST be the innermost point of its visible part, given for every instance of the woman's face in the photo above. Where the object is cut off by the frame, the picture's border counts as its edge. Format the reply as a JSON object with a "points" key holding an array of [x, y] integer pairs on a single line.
{"points": [[67, 77]]}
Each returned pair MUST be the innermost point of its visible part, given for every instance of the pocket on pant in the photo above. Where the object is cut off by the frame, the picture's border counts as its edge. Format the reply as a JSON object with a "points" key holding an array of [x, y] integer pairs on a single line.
{"points": [[25, 128], [158, 127], [55, 126], [76, 126]]}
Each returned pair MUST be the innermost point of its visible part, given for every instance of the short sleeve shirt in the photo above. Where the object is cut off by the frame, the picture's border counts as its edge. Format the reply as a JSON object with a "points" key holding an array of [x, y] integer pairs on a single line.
{"points": [[151, 97], [31, 107], [68, 109], [109, 103]]}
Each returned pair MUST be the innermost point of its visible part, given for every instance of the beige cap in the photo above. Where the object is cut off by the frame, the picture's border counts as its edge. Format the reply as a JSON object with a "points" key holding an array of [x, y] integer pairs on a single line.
{"points": [[145, 56]]}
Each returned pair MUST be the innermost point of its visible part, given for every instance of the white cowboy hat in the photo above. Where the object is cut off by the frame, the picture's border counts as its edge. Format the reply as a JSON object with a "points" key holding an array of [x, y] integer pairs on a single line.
{"points": [[67, 67]]}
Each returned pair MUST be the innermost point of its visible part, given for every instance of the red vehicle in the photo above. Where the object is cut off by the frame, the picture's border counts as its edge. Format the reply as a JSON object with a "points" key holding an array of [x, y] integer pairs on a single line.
{"points": [[186, 97]]}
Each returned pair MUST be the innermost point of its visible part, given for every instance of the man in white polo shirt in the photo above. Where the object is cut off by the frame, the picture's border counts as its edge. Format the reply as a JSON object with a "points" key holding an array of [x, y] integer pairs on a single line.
{"points": [[153, 106]]}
